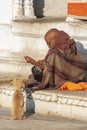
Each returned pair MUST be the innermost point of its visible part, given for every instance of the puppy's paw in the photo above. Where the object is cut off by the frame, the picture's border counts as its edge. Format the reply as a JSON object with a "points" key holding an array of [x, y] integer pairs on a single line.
{"points": [[23, 117], [13, 118]]}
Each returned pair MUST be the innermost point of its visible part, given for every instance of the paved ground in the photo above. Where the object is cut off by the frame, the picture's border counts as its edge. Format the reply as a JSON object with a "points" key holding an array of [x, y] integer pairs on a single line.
{"points": [[38, 122]]}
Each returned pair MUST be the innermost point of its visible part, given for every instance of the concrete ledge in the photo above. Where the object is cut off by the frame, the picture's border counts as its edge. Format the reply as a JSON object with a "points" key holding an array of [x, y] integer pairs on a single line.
{"points": [[21, 69], [30, 34], [41, 26], [48, 102], [14, 62]]}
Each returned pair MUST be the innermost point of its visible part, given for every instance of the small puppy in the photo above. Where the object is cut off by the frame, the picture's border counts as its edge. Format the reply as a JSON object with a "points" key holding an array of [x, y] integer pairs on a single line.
{"points": [[17, 111]]}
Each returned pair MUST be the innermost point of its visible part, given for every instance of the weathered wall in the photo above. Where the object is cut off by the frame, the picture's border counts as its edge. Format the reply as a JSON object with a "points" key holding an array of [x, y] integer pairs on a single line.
{"points": [[56, 8], [5, 11], [51, 8]]}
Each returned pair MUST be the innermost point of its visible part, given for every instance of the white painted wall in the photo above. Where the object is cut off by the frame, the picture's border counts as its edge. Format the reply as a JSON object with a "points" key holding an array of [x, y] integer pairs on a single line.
{"points": [[55, 8], [5, 11]]}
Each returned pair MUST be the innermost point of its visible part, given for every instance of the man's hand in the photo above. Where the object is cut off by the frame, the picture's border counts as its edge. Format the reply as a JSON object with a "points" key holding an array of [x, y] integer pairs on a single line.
{"points": [[30, 60], [33, 62]]}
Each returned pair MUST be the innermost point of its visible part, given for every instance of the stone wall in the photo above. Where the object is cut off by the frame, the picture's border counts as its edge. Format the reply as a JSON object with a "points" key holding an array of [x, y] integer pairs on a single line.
{"points": [[50, 8]]}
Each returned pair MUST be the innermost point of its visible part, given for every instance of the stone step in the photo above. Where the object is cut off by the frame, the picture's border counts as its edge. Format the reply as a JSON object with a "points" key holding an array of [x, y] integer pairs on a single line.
{"points": [[35, 36], [21, 69], [14, 62], [70, 104], [40, 26], [29, 35]]}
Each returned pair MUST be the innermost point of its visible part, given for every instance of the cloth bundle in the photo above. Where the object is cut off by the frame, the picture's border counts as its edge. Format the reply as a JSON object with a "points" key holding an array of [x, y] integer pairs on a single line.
{"points": [[74, 86]]}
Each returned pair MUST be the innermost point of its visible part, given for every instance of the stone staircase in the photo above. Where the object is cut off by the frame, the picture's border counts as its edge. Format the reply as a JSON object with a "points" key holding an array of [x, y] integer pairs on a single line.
{"points": [[27, 38]]}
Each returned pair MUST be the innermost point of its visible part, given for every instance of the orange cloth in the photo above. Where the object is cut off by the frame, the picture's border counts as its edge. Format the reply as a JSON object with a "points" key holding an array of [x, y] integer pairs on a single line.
{"points": [[74, 86]]}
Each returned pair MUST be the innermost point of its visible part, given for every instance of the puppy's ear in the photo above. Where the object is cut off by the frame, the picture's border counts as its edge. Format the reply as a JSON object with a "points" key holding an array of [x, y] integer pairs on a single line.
{"points": [[22, 84], [12, 82]]}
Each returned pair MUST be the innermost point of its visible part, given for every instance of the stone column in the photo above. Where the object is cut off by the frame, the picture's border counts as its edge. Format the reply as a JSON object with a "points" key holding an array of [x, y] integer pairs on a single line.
{"points": [[17, 9], [28, 9]]}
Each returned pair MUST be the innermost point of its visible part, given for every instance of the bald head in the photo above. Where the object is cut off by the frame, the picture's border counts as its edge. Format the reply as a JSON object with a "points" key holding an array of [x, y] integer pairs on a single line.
{"points": [[51, 34], [50, 37]]}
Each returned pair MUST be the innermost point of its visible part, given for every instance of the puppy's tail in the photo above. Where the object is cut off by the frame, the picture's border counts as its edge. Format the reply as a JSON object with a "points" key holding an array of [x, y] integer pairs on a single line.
{"points": [[5, 118]]}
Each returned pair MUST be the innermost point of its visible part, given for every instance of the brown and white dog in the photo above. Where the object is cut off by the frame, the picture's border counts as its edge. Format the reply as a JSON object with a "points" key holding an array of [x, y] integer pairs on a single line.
{"points": [[17, 111]]}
